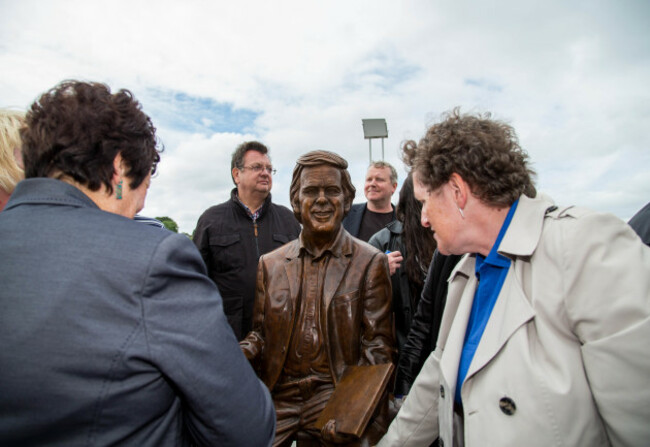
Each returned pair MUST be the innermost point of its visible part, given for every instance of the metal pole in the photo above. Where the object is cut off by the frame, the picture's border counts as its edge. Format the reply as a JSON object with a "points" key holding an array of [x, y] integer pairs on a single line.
{"points": [[369, 151], [382, 149]]}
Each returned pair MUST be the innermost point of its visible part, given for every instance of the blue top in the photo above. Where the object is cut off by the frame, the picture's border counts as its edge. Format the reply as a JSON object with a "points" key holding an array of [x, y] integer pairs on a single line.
{"points": [[149, 221], [491, 272]]}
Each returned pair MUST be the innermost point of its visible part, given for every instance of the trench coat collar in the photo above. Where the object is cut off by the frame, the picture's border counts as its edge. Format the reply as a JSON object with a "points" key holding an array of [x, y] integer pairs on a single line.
{"points": [[455, 317], [512, 309], [522, 236], [341, 249], [525, 229]]}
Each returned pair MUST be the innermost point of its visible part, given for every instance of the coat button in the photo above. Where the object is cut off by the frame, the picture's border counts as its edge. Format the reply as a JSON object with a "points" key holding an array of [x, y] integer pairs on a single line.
{"points": [[508, 406], [442, 391]]}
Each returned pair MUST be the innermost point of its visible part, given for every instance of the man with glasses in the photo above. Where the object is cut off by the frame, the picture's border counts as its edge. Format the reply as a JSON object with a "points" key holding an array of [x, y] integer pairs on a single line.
{"points": [[233, 235]]}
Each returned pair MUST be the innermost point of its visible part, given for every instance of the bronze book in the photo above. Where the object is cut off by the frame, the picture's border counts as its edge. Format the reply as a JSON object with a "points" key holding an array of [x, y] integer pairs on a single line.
{"points": [[356, 397]]}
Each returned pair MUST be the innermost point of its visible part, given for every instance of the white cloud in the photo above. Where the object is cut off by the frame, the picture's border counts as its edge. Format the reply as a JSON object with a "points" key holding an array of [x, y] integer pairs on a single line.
{"points": [[571, 77]]}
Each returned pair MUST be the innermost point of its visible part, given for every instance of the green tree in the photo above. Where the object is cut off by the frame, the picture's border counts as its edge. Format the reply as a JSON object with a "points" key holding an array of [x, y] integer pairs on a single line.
{"points": [[169, 223]]}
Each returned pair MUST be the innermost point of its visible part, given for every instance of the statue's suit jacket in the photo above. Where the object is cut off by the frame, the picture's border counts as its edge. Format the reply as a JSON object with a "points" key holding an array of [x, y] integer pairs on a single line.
{"points": [[357, 322]]}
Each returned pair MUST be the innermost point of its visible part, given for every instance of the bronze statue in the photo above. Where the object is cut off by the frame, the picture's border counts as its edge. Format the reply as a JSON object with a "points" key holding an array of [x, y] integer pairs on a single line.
{"points": [[323, 303]]}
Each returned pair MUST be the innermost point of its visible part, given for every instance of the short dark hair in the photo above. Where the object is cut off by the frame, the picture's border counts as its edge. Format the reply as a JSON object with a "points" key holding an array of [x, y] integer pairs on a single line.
{"points": [[483, 151], [237, 160], [318, 158], [76, 129]]}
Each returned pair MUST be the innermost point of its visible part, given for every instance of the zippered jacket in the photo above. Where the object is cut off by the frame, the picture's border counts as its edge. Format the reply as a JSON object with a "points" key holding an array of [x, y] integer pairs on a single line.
{"points": [[231, 245]]}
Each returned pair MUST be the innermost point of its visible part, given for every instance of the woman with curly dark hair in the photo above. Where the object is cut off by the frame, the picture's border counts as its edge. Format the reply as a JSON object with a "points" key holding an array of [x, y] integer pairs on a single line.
{"points": [[110, 331], [410, 247], [543, 340]]}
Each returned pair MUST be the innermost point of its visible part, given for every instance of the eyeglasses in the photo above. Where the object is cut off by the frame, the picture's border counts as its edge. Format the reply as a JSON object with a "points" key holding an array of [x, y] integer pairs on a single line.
{"points": [[259, 168]]}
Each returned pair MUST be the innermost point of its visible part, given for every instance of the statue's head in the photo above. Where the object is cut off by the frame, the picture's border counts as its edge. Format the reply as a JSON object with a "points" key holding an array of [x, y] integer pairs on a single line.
{"points": [[321, 192]]}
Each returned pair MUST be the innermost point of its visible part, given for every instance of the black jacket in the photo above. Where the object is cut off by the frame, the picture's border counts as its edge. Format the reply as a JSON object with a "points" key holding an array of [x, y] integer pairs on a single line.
{"points": [[425, 325], [404, 302], [641, 224], [352, 222], [231, 245]]}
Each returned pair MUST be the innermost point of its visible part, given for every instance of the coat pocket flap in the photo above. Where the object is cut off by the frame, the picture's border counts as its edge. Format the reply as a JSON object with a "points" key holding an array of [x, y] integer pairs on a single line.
{"points": [[224, 240]]}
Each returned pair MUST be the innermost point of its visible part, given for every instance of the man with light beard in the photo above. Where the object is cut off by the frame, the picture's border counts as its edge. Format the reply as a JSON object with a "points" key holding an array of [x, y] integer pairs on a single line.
{"points": [[365, 219]]}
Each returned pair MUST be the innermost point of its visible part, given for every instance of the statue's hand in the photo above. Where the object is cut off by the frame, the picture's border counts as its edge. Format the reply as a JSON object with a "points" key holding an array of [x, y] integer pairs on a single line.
{"points": [[329, 434]]}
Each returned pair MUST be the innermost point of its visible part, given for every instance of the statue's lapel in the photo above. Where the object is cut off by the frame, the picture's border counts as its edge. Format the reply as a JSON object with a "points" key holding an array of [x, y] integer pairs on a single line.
{"points": [[333, 277], [336, 268], [294, 271]]}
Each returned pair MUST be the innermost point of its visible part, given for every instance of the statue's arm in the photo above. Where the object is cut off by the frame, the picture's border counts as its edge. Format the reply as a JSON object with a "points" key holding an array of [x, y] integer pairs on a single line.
{"points": [[378, 340], [253, 344]]}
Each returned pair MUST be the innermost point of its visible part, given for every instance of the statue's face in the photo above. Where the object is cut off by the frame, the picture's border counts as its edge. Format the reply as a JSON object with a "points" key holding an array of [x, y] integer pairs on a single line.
{"points": [[321, 200]]}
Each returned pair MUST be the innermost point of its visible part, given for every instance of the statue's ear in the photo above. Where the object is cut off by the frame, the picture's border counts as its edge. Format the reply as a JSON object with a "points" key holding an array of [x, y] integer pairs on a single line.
{"points": [[295, 206], [347, 206]]}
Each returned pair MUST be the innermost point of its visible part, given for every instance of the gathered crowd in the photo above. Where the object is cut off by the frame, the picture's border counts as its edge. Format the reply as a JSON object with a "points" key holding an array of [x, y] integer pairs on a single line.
{"points": [[475, 311]]}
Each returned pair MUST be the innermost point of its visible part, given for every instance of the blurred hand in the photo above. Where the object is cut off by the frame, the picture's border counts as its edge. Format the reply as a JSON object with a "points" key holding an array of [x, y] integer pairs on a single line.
{"points": [[329, 434], [394, 404], [394, 261]]}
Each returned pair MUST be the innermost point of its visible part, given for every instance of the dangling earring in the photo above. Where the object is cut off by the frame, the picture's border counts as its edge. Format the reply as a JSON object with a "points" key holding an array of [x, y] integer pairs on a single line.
{"points": [[118, 190], [461, 212]]}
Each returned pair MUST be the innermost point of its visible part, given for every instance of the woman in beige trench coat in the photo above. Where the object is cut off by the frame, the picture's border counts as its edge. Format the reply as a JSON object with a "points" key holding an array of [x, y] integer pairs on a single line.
{"points": [[563, 359]]}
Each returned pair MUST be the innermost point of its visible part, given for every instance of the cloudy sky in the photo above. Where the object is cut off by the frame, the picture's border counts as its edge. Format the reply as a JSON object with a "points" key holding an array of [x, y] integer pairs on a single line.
{"points": [[571, 76]]}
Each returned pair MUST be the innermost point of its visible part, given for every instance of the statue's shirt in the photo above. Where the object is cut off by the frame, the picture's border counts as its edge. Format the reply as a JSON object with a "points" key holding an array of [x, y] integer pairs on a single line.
{"points": [[307, 351]]}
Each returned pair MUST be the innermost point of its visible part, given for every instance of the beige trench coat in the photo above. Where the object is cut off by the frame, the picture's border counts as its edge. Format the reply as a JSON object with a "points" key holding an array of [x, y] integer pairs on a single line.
{"points": [[565, 357]]}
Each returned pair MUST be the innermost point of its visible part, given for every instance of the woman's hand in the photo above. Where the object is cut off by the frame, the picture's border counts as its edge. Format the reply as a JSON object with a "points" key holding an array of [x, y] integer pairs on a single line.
{"points": [[394, 261]]}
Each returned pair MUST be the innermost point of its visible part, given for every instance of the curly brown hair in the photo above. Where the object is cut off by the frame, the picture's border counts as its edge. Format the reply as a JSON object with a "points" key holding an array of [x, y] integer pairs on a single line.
{"points": [[76, 130], [483, 151], [318, 158]]}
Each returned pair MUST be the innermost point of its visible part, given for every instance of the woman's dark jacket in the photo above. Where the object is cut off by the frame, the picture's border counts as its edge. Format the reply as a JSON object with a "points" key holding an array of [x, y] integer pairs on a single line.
{"points": [[423, 335], [231, 245], [404, 302]]}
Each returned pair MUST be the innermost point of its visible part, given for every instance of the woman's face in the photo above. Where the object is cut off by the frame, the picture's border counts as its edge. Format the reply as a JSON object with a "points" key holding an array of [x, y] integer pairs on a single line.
{"points": [[440, 214]]}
